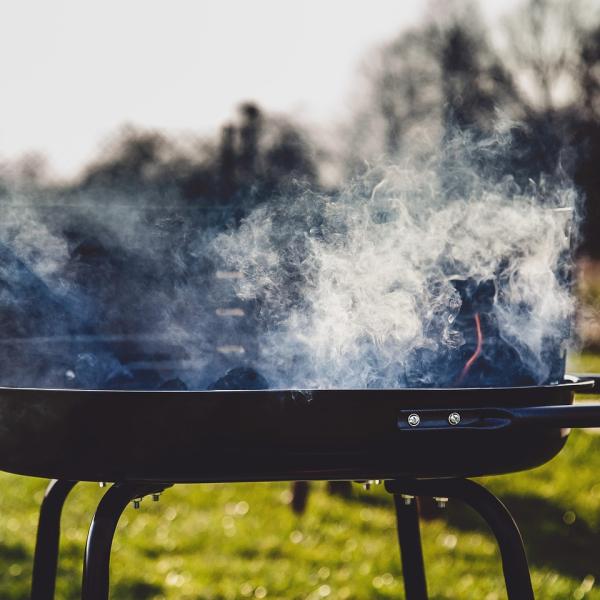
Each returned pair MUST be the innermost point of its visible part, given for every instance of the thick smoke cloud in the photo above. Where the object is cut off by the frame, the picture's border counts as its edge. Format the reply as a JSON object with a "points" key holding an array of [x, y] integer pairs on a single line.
{"points": [[379, 286], [103, 289]]}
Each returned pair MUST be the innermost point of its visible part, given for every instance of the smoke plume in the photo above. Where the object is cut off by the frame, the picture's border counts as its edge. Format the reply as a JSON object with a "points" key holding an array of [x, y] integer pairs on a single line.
{"points": [[442, 269], [379, 285]]}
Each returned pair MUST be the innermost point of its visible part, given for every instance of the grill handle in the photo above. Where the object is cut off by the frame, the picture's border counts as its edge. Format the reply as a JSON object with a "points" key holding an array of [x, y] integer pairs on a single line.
{"points": [[569, 416], [574, 416], [589, 377]]}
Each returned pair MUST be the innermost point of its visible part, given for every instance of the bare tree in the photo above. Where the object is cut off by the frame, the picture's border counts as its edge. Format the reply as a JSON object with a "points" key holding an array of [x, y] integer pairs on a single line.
{"points": [[542, 47], [440, 75]]}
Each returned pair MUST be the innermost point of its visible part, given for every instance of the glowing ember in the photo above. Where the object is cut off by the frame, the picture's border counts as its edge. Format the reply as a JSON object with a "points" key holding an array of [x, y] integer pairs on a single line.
{"points": [[477, 352]]}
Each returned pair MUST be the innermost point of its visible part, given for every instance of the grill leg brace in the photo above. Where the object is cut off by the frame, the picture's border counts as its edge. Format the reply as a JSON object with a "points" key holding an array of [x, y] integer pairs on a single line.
{"points": [[411, 553], [514, 560], [96, 564], [45, 558]]}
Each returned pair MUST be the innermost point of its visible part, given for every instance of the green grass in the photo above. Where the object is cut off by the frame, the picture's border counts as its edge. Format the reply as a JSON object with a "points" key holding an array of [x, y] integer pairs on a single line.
{"points": [[243, 541], [585, 362]]}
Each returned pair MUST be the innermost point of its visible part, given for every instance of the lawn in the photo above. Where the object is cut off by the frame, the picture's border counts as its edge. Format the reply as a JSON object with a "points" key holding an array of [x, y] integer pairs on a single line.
{"points": [[243, 541]]}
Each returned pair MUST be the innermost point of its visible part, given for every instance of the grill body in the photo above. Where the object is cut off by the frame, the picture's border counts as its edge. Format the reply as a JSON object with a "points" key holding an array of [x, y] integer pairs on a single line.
{"points": [[188, 436]]}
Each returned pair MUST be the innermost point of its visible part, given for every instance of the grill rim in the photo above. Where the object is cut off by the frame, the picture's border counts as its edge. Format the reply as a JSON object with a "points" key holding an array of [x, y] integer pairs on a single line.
{"points": [[575, 383]]}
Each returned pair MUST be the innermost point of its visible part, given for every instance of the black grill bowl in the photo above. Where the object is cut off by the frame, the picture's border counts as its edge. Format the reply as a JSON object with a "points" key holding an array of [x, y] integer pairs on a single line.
{"points": [[199, 436]]}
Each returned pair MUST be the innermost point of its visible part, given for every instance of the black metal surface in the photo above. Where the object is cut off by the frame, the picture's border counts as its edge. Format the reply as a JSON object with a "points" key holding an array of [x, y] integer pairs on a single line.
{"points": [[411, 551], [45, 559], [96, 565], [188, 436], [494, 419], [594, 378], [503, 526]]}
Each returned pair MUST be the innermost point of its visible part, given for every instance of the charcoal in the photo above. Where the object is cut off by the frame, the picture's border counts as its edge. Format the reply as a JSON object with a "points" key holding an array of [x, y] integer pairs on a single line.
{"points": [[174, 384], [240, 378], [136, 379]]}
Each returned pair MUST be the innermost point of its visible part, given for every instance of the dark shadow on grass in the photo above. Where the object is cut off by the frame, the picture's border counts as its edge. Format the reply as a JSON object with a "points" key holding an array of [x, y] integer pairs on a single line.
{"points": [[14, 553], [572, 550], [368, 499], [136, 590]]}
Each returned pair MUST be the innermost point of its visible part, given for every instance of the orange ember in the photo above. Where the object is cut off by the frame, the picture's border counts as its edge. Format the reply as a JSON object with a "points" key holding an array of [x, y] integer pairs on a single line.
{"points": [[477, 352]]}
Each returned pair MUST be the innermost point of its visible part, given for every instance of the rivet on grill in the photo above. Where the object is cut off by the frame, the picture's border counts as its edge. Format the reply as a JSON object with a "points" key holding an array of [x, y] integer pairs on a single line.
{"points": [[155, 497], [408, 499], [137, 502], [102, 484], [414, 419], [454, 418], [441, 502], [367, 485]]}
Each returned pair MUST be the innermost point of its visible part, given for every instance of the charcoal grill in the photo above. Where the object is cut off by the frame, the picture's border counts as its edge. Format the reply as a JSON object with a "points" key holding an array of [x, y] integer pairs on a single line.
{"points": [[422, 442]]}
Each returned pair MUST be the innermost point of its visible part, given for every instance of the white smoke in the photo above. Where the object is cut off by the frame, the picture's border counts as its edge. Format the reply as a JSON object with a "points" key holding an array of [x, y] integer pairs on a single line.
{"points": [[30, 239], [356, 289]]}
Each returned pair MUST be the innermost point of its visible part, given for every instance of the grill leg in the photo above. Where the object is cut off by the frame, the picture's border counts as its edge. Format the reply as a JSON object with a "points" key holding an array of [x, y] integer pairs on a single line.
{"points": [[411, 553], [45, 558], [514, 560], [102, 530]]}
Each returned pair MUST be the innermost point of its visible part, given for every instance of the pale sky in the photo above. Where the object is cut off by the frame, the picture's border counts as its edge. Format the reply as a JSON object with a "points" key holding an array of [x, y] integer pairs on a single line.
{"points": [[71, 71]]}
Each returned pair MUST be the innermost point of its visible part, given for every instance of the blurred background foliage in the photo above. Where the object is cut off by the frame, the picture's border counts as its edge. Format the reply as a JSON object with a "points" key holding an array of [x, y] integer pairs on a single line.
{"points": [[536, 71], [539, 68]]}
